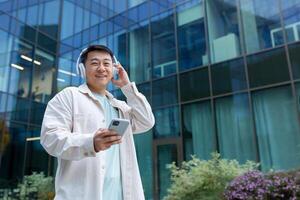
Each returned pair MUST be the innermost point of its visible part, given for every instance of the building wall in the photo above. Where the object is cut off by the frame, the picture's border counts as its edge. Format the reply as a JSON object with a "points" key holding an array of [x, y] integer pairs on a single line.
{"points": [[221, 75]]}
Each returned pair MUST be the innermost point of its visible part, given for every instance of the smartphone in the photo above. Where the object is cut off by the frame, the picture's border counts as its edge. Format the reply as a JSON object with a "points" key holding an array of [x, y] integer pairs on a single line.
{"points": [[119, 125]]}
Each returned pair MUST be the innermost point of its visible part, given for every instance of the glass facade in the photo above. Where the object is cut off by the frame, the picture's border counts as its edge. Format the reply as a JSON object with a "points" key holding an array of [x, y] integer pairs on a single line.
{"points": [[221, 75]]}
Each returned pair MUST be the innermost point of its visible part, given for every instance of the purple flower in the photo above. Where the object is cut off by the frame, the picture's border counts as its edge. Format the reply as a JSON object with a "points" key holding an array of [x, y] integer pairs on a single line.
{"points": [[256, 185]]}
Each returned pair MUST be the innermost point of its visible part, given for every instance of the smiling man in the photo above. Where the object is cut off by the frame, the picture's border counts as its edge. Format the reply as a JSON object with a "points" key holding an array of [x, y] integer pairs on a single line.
{"points": [[95, 162]]}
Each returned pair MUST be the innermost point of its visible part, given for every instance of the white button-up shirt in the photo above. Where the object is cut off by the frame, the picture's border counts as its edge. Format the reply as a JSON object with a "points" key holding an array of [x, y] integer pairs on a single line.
{"points": [[71, 119]]}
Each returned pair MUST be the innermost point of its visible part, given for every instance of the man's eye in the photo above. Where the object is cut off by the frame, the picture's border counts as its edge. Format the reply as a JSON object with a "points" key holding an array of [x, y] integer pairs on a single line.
{"points": [[106, 64], [94, 63]]}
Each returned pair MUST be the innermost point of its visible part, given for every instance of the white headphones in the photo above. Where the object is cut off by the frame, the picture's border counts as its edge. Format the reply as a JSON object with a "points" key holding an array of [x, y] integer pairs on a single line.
{"points": [[80, 69]]}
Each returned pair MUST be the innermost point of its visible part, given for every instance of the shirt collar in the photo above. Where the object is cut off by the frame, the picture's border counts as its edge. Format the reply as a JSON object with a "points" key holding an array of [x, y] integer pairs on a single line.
{"points": [[86, 90]]}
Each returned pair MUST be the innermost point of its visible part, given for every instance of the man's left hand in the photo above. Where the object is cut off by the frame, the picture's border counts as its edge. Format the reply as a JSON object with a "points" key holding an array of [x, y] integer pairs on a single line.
{"points": [[123, 76]]}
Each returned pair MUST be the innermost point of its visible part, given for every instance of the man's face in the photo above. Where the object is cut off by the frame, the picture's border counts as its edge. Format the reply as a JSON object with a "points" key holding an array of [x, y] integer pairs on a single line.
{"points": [[98, 67]]}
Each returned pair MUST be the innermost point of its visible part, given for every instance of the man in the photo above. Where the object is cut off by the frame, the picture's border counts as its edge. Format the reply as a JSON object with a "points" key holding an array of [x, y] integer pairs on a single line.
{"points": [[93, 161]]}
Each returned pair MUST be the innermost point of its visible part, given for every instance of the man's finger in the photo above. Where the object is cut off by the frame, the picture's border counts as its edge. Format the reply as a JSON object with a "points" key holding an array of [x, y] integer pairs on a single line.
{"points": [[111, 139], [106, 132]]}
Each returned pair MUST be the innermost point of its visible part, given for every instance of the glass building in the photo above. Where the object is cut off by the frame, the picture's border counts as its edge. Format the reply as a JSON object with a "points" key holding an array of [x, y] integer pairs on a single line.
{"points": [[221, 75]]}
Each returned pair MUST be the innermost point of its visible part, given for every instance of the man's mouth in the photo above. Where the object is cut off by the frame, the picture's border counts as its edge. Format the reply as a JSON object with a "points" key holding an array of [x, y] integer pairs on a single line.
{"points": [[101, 76]]}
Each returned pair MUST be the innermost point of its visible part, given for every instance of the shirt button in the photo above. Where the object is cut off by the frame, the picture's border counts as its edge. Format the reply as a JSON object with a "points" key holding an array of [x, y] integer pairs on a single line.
{"points": [[103, 167], [86, 154], [103, 120]]}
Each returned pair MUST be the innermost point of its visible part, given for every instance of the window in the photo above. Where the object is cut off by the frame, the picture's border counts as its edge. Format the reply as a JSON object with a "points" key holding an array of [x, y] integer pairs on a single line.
{"points": [[5, 50], [3, 100], [166, 155], [164, 92], [32, 13], [223, 30], [291, 17], [198, 132], [47, 43], [143, 146], [11, 168], [42, 76], [277, 128], [145, 90], [18, 108], [294, 51], [191, 35], [139, 61], [194, 84], [64, 73], [167, 122], [67, 25], [21, 69], [37, 159], [267, 68], [261, 24], [235, 128], [228, 77], [132, 3], [163, 45], [50, 19]]}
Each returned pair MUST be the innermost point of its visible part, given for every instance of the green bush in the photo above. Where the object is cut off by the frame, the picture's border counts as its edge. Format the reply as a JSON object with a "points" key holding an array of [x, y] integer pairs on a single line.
{"points": [[37, 186], [204, 180]]}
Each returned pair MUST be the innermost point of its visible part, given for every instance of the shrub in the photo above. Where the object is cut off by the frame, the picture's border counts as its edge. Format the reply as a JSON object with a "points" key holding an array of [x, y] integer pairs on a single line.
{"points": [[251, 185], [37, 186], [201, 179], [282, 186], [255, 185]]}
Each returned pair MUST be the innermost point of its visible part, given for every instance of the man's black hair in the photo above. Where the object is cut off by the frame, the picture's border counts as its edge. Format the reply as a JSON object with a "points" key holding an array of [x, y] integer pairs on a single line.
{"points": [[96, 48]]}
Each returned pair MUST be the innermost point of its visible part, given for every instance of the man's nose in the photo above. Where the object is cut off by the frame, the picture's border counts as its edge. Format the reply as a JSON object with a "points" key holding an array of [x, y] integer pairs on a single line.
{"points": [[101, 67]]}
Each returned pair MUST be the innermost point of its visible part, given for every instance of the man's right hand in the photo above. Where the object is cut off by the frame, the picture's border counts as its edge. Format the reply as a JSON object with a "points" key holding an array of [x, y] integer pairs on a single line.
{"points": [[104, 138]]}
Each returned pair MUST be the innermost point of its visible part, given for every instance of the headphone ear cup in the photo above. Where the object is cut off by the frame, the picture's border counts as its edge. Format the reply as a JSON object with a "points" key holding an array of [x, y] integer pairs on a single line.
{"points": [[82, 70]]}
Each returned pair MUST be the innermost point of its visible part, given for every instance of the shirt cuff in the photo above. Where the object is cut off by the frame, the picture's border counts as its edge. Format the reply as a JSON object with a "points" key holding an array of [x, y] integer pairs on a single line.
{"points": [[89, 146], [129, 89]]}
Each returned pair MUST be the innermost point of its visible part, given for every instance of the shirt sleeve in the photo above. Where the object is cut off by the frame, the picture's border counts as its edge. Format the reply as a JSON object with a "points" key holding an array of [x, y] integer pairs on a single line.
{"points": [[142, 118], [57, 137]]}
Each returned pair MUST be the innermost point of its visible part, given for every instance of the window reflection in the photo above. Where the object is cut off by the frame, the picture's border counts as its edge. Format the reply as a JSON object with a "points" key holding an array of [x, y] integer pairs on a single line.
{"points": [[64, 73], [37, 159], [145, 90], [234, 128], [143, 145], [198, 132], [291, 17], [67, 20], [163, 45], [5, 50], [261, 24], [228, 77], [166, 155], [294, 51], [167, 122], [191, 35], [50, 17], [132, 3], [277, 127], [194, 84], [139, 61], [12, 158], [42, 76], [164, 92], [267, 68], [17, 108], [3, 100], [21, 68], [223, 29]]}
